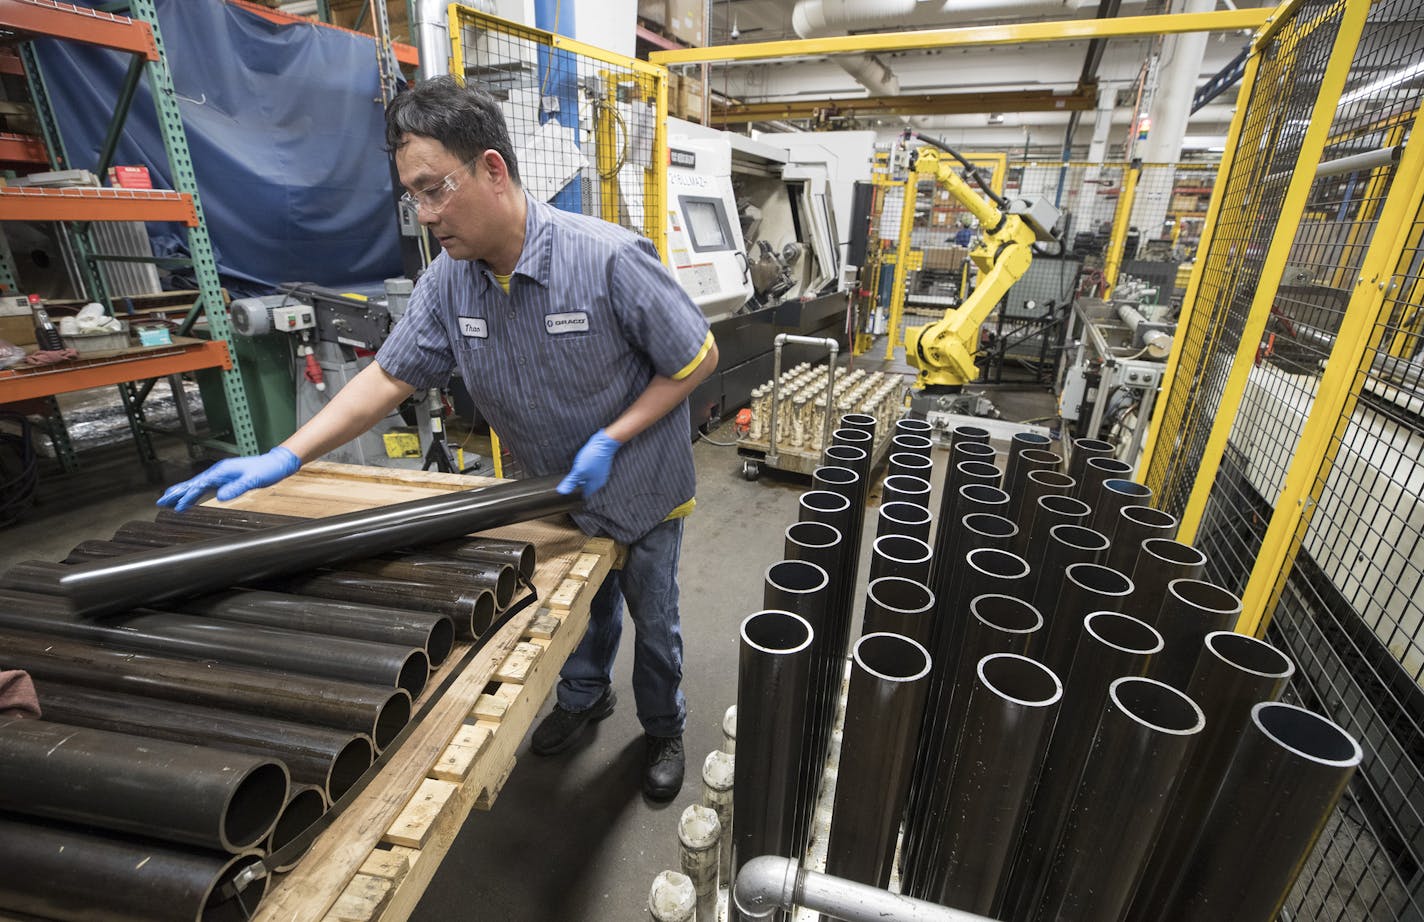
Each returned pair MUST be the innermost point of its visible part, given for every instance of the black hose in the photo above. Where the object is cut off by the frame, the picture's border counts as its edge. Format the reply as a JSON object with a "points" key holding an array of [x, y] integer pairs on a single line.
{"points": [[994, 197]]}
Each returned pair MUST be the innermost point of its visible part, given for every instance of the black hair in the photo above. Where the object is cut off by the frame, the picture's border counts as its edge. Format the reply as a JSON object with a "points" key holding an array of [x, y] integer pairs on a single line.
{"points": [[464, 119]]}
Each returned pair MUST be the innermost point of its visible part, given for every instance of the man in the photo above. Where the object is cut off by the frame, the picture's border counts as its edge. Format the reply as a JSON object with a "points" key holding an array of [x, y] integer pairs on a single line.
{"points": [[580, 349]]}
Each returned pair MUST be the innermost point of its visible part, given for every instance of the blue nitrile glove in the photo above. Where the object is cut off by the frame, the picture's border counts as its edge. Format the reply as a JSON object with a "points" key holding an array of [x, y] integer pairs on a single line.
{"points": [[591, 464], [233, 477]]}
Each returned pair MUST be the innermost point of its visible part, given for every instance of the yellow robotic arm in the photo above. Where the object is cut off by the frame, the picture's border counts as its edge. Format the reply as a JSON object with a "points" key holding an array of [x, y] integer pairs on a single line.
{"points": [[943, 351]]}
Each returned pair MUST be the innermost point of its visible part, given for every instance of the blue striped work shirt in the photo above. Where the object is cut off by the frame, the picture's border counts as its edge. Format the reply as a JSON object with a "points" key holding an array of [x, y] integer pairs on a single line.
{"points": [[590, 317]]}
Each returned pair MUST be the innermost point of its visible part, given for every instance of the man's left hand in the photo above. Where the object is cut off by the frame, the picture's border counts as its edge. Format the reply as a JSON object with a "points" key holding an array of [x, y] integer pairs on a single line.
{"points": [[591, 464]]}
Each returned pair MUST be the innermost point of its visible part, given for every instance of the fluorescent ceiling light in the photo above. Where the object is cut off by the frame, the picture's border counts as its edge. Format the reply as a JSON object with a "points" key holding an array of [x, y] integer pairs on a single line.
{"points": [[1384, 83]]}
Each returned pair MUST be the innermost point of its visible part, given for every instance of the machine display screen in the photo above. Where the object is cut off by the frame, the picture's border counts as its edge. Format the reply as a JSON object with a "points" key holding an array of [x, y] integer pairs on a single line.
{"points": [[706, 223]]}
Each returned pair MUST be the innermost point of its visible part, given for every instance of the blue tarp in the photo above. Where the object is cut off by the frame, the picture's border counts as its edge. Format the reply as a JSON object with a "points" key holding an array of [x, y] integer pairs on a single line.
{"points": [[285, 129]]}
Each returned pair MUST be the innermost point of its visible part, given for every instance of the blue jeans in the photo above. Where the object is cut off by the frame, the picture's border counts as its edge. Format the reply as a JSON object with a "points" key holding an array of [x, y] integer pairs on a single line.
{"points": [[649, 582]]}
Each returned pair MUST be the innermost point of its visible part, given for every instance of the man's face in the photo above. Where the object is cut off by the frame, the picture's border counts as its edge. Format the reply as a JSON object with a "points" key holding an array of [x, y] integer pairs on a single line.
{"points": [[462, 219]]}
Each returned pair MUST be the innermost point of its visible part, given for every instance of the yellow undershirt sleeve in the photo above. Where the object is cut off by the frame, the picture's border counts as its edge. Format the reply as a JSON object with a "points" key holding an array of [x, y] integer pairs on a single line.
{"points": [[696, 360]]}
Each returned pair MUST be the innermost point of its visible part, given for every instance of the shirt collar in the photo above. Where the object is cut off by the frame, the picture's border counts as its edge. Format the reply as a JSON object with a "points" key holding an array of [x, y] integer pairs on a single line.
{"points": [[535, 257]]}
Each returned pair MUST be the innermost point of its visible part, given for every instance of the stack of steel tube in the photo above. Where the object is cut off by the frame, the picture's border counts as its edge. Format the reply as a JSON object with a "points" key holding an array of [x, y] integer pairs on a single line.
{"points": [[191, 728]]}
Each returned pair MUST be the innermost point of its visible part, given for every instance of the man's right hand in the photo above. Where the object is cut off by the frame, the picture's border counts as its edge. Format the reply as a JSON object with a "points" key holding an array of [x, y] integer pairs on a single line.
{"points": [[233, 477]]}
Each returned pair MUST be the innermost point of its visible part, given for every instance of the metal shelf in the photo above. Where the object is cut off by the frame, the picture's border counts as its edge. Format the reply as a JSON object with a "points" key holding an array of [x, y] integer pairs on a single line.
{"points": [[117, 368], [22, 148], [96, 204], [52, 19]]}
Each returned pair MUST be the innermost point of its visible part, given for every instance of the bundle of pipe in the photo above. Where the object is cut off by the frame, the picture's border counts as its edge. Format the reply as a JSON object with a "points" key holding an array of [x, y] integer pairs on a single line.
{"points": [[1015, 468], [773, 673], [1029, 461], [1233, 674], [1066, 545], [1136, 759], [884, 707], [997, 623], [54, 871], [1009, 714], [802, 588], [1285, 778], [1110, 646], [168, 573], [1192, 609], [1134, 525], [471, 610]]}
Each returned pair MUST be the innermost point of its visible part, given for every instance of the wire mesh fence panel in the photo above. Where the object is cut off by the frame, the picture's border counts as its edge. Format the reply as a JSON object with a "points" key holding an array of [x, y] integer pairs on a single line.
{"points": [[1268, 143], [587, 128]]}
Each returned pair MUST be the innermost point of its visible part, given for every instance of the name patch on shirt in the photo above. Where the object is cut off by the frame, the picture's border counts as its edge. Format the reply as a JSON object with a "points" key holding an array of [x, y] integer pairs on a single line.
{"points": [[571, 322], [475, 327]]}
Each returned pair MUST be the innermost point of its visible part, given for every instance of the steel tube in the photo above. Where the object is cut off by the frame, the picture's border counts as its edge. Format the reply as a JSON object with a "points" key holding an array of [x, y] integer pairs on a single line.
{"points": [[884, 706], [773, 676], [1047, 512], [1192, 609], [519, 554], [908, 464], [803, 589], [211, 639], [1113, 494], [305, 805], [821, 544], [908, 425], [967, 433], [844, 576], [1233, 673], [1009, 714], [1137, 758], [1019, 443], [168, 573], [973, 451], [1066, 545], [895, 605], [858, 460], [177, 792], [898, 555], [1095, 471], [1083, 449], [862, 421], [1110, 646], [1087, 587], [904, 489], [332, 759], [378, 712], [915, 444], [1134, 525], [59, 872], [1286, 777], [850, 436], [903, 519], [1160, 561], [1030, 459], [770, 884], [1036, 485]]}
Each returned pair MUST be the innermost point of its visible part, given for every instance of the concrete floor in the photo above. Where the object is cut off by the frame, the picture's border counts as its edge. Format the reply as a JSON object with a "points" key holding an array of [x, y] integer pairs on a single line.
{"points": [[571, 837]]}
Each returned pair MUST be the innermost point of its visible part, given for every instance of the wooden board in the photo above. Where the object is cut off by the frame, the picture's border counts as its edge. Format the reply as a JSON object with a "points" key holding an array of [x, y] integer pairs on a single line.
{"points": [[349, 873]]}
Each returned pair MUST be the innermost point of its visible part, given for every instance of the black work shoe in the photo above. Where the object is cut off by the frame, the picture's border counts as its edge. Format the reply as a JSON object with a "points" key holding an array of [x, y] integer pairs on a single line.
{"points": [[562, 727], [663, 767]]}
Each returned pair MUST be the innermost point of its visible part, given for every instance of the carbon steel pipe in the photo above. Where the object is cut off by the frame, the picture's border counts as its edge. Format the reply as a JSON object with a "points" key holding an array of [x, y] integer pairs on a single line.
{"points": [[1049, 511], [908, 425], [895, 605], [904, 489], [844, 576], [803, 589], [821, 544], [1030, 459], [858, 460], [718, 776], [1087, 587], [1159, 561], [238, 644], [862, 421], [889, 678], [1037, 484], [1287, 775], [903, 519], [967, 433], [823, 506], [61, 872], [177, 792], [1110, 646], [1065, 546], [370, 709], [332, 759], [457, 576], [169, 573], [849, 436], [898, 555], [979, 497], [908, 464], [995, 623], [973, 470], [472, 610], [1095, 471], [915, 444], [1009, 714], [1192, 609], [306, 804], [1112, 496], [1233, 674], [1135, 524], [1137, 758], [1019, 443], [435, 634], [964, 493], [1082, 450], [519, 554], [773, 679]]}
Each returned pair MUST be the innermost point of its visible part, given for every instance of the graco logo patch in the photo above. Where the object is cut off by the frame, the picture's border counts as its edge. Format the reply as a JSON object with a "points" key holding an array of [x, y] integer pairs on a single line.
{"points": [[571, 322]]}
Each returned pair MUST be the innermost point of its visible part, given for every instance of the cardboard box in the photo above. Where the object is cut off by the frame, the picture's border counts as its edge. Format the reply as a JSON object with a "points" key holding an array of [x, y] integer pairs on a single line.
{"points": [[946, 258], [687, 22], [655, 12], [18, 330]]}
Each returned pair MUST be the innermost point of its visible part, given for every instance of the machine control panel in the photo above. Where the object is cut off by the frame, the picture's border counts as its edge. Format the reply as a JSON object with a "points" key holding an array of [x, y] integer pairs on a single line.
{"points": [[292, 317], [1141, 374]]}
